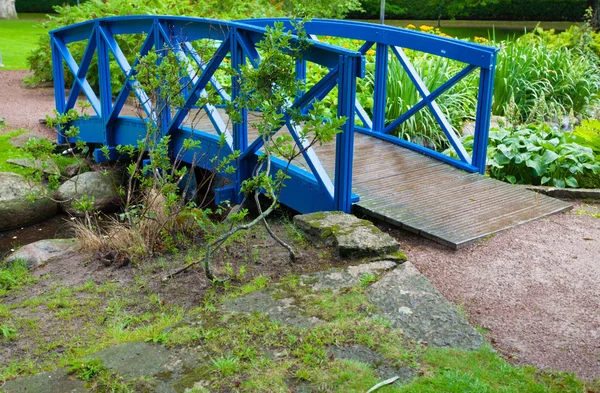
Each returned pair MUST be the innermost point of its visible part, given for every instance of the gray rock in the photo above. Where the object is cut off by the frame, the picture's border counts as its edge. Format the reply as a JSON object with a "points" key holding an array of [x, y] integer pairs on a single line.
{"points": [[47, 166], [57, 381], [336, 279], [16, 209], [281, 310], [353, 237], [102, 186], [413, 305], [22, 139], [38, 253]]}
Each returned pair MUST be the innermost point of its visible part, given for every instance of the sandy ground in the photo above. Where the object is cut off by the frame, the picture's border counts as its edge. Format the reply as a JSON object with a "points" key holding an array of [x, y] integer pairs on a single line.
{"points": [[536, 288]]}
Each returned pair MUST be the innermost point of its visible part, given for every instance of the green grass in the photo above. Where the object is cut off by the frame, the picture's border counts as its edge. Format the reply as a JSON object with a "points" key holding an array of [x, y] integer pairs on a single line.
{"points": [[7, 151], [18, 38], [483, 371]]}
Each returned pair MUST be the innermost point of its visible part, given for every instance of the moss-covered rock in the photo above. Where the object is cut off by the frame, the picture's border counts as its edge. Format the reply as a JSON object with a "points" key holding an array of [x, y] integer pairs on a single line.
{"points": [[352, 236]]}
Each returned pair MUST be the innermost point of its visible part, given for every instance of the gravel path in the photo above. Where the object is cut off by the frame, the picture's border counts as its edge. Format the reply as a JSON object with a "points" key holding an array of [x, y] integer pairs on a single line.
{"points": [[536, 287], [23, 108]]}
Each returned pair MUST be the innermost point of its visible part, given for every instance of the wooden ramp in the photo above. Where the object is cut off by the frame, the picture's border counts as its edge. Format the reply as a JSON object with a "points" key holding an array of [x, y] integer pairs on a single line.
{"points": [[436, 200]]}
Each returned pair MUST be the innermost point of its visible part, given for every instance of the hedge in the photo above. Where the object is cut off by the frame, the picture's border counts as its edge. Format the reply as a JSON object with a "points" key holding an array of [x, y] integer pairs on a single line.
{"points": [[534, 10], [41, 6]]}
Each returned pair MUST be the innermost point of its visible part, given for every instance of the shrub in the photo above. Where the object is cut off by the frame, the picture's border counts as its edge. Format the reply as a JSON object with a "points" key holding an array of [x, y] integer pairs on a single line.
{"points": [[540, 155]]}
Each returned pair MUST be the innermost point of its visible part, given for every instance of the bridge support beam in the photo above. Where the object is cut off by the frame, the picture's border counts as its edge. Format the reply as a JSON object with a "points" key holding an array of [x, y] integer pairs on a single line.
{"points": [[344, 144]]}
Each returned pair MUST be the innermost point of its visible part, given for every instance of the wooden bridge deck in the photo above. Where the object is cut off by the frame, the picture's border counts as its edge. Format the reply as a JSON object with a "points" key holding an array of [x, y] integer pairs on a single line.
{"points": [[431, 198]]}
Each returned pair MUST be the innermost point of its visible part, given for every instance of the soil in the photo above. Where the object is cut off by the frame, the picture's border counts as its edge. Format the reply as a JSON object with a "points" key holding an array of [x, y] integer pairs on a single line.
{"points": [[536, 288]]}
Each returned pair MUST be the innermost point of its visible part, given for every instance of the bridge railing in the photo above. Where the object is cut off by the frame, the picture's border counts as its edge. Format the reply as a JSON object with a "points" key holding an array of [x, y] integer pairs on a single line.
{"points": [[390, 43], [108, 126]]}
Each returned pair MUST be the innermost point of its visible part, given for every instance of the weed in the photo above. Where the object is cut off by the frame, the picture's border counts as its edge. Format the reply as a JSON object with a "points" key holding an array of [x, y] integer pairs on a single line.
{"points": [[367, 279], [226, 366], [7, 332], [86, 369]]}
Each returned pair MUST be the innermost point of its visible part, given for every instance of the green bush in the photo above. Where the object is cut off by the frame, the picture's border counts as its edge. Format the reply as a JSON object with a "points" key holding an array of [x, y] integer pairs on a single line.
{"points": [[540, 155], [41, 6], [40, 60], [551, 10]]}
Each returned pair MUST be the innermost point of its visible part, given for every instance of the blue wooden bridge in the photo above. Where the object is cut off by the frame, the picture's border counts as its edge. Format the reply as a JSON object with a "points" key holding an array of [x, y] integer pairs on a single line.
{"points": [[366, 169]]}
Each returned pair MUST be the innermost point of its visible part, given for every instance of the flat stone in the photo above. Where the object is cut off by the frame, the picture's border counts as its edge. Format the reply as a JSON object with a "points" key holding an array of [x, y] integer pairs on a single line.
{"points": [[567, 193], [38, 253], [352, 236], [47, 166], [136, 359], [57, 381], [16, 207], [281, 311], [412, 304], [22, 139], [336, 279]]}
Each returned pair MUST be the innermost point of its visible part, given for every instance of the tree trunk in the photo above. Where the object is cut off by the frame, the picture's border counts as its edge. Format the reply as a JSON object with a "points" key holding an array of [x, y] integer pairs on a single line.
{"points": [[7, 9]]}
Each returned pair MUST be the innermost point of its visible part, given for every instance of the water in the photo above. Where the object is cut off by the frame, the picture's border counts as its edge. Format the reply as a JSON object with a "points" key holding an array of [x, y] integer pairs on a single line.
{"points": [[500, 30], [54, 228]]}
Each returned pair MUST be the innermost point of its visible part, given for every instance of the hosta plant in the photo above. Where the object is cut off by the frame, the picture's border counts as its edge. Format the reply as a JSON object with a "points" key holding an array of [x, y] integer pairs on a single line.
{"points": [[540, 155]]}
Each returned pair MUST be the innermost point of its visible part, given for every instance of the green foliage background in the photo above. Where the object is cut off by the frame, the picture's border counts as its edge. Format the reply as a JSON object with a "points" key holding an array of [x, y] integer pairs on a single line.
{"points": [[41, 6], [550, 10]]}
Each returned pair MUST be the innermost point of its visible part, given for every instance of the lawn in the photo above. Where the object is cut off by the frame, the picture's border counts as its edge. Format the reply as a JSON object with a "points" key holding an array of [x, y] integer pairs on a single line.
{"points": [[18, 38]]}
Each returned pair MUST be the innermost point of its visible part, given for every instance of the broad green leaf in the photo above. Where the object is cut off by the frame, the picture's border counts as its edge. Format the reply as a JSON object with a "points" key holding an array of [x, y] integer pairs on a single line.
{"points": [[549, 157], [560, 183], [511, 179], [537, 166], [571, 182], [545, 179]]}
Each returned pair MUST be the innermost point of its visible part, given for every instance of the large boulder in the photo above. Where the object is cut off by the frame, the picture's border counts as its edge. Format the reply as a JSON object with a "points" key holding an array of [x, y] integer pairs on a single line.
{"points": [[102, 186], [16, 207], [38, 253], [352, 236]]}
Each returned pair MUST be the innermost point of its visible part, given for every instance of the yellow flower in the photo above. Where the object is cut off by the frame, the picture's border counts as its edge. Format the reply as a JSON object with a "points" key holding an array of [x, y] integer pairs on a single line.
{"points": [[425, 28], [355, 41], [345, 44], [370, 52], [410, 26]]}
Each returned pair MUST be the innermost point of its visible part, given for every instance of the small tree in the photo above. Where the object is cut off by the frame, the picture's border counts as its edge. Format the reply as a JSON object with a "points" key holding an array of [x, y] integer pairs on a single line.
{"points": [[271, 86], [7, 9]]}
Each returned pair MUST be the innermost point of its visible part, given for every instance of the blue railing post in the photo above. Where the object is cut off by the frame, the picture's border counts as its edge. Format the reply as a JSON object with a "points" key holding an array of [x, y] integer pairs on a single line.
{"points": [[105, 86], [344, 144], [482, 121], [58, 73], [240, 130], [380, 88]]}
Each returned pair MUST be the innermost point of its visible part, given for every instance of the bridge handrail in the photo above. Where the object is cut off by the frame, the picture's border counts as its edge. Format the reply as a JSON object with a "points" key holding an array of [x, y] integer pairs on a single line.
{"points": [[237, 40], [396, 39]]}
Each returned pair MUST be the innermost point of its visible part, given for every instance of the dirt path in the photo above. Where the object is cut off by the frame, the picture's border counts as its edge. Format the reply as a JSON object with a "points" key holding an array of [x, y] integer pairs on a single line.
{"points": [[536, 287]]}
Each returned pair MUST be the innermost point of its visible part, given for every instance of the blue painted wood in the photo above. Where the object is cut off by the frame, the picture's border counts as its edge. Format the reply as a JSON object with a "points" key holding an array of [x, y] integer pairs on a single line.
{"points": [[344, 144], [306, 190], [380, 88]]}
